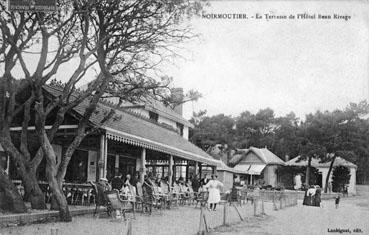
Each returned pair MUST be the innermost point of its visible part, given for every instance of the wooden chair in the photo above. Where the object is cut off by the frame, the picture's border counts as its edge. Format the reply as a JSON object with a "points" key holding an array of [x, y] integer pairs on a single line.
{"points": [[139, 197], [184, 193], [169, 198], [234, 197], [177, 194], [118, 205], [148, 199], [202, 198], [191, 194], [100, 200], [161, 195]]}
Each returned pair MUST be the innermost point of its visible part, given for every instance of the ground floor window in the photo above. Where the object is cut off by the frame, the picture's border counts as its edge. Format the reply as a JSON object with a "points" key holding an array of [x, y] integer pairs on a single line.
{"points": [[77, 168], [127, 166], [158, 170], [110, 167], [120, 164]]}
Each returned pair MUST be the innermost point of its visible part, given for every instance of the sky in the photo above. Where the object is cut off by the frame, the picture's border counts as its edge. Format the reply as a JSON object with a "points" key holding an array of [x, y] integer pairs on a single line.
{"points": [[299, 65]]}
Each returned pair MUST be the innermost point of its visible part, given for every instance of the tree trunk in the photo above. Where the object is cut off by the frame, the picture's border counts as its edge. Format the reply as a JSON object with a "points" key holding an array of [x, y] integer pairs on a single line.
{"points": [[329, 173], [10, 200], [54, 203], [26, 172], [33, 190], [59, 200], [307, 178], [54, 183]]}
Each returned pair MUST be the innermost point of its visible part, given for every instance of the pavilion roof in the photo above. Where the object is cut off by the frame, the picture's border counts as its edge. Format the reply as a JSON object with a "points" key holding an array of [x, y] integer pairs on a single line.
{"points": [[316, 163], [136, 130]]}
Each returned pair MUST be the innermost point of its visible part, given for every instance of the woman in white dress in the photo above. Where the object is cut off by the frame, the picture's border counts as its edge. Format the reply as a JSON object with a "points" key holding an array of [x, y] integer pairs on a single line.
{"points": [[213, 187]]}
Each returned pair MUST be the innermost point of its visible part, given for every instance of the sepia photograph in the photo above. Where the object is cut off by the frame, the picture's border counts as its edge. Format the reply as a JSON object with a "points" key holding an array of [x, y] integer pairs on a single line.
{"points": [[184, 117]]}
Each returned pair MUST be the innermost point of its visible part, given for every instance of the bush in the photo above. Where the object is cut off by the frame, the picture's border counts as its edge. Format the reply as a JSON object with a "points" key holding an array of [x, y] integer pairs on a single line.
{"points": [[340, 177]]}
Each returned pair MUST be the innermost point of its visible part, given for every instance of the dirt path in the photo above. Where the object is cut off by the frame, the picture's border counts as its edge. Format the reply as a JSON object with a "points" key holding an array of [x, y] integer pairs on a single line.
{"points": [[353, 213]]}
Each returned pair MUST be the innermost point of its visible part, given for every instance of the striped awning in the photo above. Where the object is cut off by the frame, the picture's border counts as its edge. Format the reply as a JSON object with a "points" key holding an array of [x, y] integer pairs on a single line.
{"points": [[251, 169], [127, 138]]}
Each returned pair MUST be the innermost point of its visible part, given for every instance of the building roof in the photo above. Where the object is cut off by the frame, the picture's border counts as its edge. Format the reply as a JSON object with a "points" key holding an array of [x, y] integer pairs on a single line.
{"points": [[157, 107], [161, 109], [129, 128], [266, 156], [223, 167], [317, 164]]}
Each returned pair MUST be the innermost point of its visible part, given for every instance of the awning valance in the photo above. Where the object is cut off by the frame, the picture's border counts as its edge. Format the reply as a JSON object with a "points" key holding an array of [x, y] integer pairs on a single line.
{"points": [[160, 147], [256, 169], [250, 169]]}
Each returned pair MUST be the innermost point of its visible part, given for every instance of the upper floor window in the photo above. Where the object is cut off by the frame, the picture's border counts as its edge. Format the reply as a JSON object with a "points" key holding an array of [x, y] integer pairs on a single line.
{"points": [[153, 116], [180, 128]]}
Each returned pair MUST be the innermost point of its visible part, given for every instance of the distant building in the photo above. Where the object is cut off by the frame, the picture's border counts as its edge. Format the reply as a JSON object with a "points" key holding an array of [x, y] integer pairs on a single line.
{"points": [[227, 175], [324, 167], [259, 164]]}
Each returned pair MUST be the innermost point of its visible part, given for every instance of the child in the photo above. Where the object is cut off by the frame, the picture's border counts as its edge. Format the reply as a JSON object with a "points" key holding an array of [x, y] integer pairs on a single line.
{"points": [[337, 201]]}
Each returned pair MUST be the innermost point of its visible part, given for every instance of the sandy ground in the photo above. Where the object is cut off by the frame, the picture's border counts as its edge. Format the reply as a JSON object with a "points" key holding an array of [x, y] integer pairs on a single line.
{"points": [[181, 220], [353, 213]]}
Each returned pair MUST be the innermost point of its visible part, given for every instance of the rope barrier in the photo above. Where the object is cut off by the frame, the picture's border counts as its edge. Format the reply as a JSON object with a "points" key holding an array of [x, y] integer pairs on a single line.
{"points": [[228, 216], [238, 212]]}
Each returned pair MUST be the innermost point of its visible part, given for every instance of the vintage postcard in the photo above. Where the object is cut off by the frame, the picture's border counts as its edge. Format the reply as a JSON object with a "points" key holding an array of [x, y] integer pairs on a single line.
{"points": [[184, 117]]}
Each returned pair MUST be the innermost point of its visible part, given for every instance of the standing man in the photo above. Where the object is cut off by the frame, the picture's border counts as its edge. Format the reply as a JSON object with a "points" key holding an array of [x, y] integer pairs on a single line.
{"points": [[205, 180], [117, 182], [135, 179], [195, 183]]}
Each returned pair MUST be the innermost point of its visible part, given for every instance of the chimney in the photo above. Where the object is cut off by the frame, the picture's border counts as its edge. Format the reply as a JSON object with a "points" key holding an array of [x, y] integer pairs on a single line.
{"points": [[177, 94], [286, 158]]}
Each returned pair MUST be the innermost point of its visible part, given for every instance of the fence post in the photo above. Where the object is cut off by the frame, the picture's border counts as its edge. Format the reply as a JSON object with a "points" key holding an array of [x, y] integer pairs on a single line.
{"points": [[280, 201], [255, 202], [225, 214], [54, 231], [274, 204], [262, 207], [201, 225], [129, 230], [285, 200]]}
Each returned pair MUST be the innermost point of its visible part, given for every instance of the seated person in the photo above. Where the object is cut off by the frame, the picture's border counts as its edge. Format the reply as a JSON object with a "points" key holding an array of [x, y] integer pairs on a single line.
{"points": [[183, 189], [158, 180], [176, 189], [129, 192], [127, 181], [164, 186], [117, 182], [101, 187]]}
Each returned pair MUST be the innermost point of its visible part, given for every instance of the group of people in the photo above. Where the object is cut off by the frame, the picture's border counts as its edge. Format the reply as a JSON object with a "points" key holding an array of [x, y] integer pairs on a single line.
{"points": [[129, 186], [126, 186], [313, 196]]}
